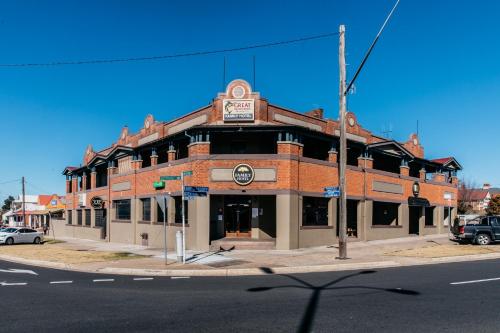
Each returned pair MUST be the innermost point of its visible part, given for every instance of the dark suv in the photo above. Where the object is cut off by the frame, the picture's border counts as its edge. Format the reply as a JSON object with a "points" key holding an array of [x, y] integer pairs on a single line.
{"points": [[482, 231]]}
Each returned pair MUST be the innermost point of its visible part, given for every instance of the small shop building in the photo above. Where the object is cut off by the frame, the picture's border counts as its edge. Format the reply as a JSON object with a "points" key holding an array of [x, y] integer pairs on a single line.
{"points": [[267, 172]]}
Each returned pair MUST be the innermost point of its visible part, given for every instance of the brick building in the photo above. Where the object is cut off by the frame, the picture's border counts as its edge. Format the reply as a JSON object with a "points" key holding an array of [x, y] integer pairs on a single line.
{"points": [[266, 168]]}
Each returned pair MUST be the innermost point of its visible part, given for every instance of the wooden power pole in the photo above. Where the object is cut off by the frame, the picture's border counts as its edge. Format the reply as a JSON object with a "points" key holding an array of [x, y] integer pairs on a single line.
{"points": [[343, 147]]}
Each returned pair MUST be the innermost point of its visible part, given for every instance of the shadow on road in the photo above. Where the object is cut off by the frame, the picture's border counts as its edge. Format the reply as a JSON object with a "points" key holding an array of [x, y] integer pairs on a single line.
{"points": [[308, 317]]}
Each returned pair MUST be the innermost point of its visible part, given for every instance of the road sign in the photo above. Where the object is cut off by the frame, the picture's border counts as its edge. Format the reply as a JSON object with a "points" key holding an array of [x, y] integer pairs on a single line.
{"points": [[196, 189], [158, 185], [332, 188], [187, 173], [332, 192], [170, 177]]}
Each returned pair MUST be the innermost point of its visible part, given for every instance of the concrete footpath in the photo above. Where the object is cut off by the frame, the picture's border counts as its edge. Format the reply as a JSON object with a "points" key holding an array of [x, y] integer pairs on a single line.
{"points": [[114, 258]]}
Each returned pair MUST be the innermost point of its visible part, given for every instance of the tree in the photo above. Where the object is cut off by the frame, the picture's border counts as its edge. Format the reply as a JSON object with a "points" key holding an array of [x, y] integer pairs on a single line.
{"points": [[7, 202], [465, 192], [494, 206]]}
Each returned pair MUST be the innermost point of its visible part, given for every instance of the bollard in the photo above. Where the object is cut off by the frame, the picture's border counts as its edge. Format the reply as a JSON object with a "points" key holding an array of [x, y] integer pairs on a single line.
{"points": [[178, 245]]}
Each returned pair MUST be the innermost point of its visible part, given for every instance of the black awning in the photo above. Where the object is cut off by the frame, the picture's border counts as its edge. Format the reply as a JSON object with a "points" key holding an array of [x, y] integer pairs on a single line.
{"points": [[422, 202]]}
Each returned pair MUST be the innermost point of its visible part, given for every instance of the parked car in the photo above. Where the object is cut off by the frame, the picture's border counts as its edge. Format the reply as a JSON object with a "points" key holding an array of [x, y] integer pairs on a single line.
{"points": [[10, 236], [482, 231]]}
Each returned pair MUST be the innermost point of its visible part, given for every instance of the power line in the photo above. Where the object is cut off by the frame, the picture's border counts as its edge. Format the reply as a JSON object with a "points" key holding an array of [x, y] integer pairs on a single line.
{"points": [[170, 56], [10, 181]]}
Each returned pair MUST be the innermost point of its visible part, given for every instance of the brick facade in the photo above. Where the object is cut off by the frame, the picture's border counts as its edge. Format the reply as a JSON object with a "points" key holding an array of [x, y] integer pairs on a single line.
{"points": [[296, 175]]}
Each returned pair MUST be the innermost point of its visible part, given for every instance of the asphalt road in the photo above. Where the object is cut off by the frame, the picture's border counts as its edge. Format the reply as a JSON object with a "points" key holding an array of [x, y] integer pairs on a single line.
{"points": [[409, 299]]}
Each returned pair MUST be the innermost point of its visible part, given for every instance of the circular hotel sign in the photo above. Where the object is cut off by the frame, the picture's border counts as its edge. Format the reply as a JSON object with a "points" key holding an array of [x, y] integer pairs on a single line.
{"points": [[243, 174], [97, 203]]}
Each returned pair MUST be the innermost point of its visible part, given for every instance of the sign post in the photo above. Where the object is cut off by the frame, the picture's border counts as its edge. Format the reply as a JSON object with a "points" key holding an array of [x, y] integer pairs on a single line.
{"points": [[162, 202], [191, 192], [183, 174]]}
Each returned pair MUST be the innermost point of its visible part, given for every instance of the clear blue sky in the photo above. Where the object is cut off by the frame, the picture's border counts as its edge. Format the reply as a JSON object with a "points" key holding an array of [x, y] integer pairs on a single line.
{"points": [[436, 62]]}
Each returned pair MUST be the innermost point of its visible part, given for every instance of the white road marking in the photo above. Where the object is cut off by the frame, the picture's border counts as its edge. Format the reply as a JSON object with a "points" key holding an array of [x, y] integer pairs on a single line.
{"points": [[179, 277], [60, 282], [103, 280], [143, 279], [22, 271], [13, 283], [475, 281]]}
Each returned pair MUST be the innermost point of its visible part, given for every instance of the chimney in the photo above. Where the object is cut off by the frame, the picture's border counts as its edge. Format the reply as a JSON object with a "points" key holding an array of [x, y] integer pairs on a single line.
{"points": [[316, 113], [486, 186]]}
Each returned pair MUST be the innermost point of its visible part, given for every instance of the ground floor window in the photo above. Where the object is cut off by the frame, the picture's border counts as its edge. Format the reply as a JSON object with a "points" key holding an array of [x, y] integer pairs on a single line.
{"points": [[87, 217], [146, 209], [70, 217], [385, 213], [159, 212], [429, 216], [178, 209], [314, 211], [122, 209], [79, 217]]}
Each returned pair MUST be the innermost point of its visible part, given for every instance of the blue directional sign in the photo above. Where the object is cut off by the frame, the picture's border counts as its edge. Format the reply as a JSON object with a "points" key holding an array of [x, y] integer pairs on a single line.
{"points": [[332, 192], [196, 189]]}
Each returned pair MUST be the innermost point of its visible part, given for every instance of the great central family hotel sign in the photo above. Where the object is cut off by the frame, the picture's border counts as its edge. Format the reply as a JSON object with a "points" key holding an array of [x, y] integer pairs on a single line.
{"points": [[238, 109]]}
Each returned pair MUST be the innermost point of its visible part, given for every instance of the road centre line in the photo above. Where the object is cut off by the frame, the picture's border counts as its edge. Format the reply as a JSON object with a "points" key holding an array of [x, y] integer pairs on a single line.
{"points": [[143, 279], [13, 284], [60, 282], [475, 281], [179, 277], [103, 280]]}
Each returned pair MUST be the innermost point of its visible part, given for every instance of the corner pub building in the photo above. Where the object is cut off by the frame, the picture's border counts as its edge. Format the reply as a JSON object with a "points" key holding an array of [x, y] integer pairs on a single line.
{"points": [[266, 168]]}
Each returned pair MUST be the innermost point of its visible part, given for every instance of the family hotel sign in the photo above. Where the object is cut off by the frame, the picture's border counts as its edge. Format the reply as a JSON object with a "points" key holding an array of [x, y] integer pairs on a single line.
{"points": [[238, 109]]}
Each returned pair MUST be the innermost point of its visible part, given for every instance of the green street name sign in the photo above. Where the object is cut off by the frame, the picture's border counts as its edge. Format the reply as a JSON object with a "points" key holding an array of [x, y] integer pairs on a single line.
{"points": [[170, 177], [158, 185], [187, 173]]}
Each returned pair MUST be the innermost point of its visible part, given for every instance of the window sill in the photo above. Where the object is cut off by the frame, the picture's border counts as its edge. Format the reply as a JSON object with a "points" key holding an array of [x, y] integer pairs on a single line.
{"points": [[430, 226], [143, 222], [387, 226], [178, 225], [312, 227], [121, 221]]}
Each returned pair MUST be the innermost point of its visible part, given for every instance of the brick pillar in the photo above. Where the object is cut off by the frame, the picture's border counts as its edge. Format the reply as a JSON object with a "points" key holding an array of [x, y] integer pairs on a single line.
{"points": [[111, 170], [404, 170], [68, 184], [422, 174], [84, 182], [332, 156], [154, 160], [438, 177], [290, 148], [171, 155], [365, 162], [454, 180], [93, 179], [198, 148], [136, 164], [74, 184]]}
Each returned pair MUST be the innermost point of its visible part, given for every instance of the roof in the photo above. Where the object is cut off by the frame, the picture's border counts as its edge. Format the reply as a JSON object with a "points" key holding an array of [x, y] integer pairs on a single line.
{"points": [[446, 161], [478, 194], [391, 147]]}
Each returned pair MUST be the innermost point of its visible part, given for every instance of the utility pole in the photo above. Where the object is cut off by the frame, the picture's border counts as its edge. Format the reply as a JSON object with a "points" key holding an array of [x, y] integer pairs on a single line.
{"points": [[342, 112], [343, 148], [24, 202]]}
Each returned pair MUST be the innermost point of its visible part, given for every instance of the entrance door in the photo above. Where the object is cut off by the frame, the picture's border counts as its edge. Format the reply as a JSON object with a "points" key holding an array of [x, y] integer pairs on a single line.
{"points": [[237, 216], [100, 221], [415, 213]]}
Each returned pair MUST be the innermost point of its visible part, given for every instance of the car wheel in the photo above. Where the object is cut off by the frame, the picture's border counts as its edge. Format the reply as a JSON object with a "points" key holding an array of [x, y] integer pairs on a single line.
{"points": [[483, 239], [37, 240], [9, 241]]}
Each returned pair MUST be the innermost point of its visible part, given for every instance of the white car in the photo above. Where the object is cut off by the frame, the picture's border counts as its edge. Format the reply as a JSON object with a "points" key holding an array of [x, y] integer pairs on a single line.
{"points": [[10, 236]]}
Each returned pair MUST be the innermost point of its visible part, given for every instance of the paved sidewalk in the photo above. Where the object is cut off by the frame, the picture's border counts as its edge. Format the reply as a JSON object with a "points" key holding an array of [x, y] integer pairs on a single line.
{"points": [[362, 255]]}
